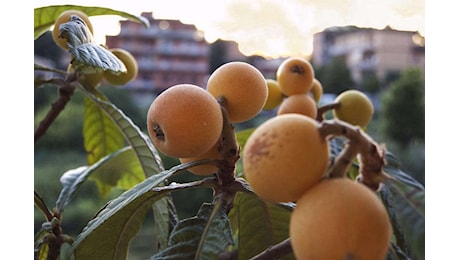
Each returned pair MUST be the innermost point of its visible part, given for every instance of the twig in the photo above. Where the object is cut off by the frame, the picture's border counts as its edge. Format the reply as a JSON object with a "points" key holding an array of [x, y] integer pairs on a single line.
{"points": [[370, 155], [65, 92], [276, 251], [324, 109], [46, 68]]}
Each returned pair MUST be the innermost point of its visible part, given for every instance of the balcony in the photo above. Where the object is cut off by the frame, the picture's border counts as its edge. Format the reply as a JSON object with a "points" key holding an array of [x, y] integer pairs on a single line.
{"points": [[155, 32], [166, 65], [366, 64]]}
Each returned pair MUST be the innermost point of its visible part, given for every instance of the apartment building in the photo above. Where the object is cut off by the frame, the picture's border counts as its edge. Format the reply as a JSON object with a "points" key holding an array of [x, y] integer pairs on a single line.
{"points": [[168, 52], [383, 53]]}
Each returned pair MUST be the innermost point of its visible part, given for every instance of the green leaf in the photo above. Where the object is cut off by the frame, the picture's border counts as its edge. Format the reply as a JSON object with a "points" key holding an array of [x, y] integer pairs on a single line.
{"points": [[40, 248], [63, 251], [101, 135], [398, 234], [395, 253], [165, 212], [109, 234], [409, 205], [258, 224], [204, 236], [44, 17], [165, 216], [392, 167], [118, 169], [122, 171], [71, 181], [147, 155], [40, 204], [242, 136], [76, 32], [87, 56], [90, 58], [142, 145], [404, 198]]}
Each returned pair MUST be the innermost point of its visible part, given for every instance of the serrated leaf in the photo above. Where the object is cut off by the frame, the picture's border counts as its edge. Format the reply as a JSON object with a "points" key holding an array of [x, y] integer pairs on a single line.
{"points": [[90, 57], [217, 234], [101, 135], [44, 17], [204, 236], [392, 168], [142, 145], [395, 253], [165, 216], [398, 233], [146, 154], [409, 206], [259, 224], [109, 234], [71, 181], [122, 171], [76, 32], [120, 166]]}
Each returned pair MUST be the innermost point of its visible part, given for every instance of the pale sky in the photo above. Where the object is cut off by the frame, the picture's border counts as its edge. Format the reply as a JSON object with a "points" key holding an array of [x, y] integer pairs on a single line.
{"points": [[265, 27]]}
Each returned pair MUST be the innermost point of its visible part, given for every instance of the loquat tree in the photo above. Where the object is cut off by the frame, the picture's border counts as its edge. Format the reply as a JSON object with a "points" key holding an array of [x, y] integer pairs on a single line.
{"points": [[264, 204]]}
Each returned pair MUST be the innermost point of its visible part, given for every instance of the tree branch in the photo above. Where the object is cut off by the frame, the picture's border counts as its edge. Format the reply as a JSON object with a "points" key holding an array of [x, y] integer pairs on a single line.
{"points": [[228, 148], [370, 155], [65, 92], [324, 109]]}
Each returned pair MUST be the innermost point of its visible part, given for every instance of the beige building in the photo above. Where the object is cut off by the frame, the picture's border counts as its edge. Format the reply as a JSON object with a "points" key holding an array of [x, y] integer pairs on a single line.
{"points": [[168, 52], [370, 51]]}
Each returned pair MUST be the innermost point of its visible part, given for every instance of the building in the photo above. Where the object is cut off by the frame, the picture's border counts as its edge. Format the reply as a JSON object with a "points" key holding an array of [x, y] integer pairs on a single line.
{"points": [[384, 53], [267, 67], [168, 52], [228, 51]]}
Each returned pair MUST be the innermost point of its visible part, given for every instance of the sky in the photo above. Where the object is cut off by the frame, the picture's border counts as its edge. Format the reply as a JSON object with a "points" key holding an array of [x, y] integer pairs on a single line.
{"points": [[270, 28]]}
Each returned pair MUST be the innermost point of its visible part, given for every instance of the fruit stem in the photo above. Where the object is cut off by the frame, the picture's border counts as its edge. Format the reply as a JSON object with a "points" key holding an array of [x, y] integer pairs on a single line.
{"points": [[371, 156], [324, 109], [298, 69], [343, 161], [158, 132], [228, 148]]}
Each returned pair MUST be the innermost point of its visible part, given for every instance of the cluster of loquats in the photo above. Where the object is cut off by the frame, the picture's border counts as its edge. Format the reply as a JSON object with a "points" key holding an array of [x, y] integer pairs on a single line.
{"points": [[286, 159], [295, 90], [292, 134], [94, 77], [186, 121]]}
